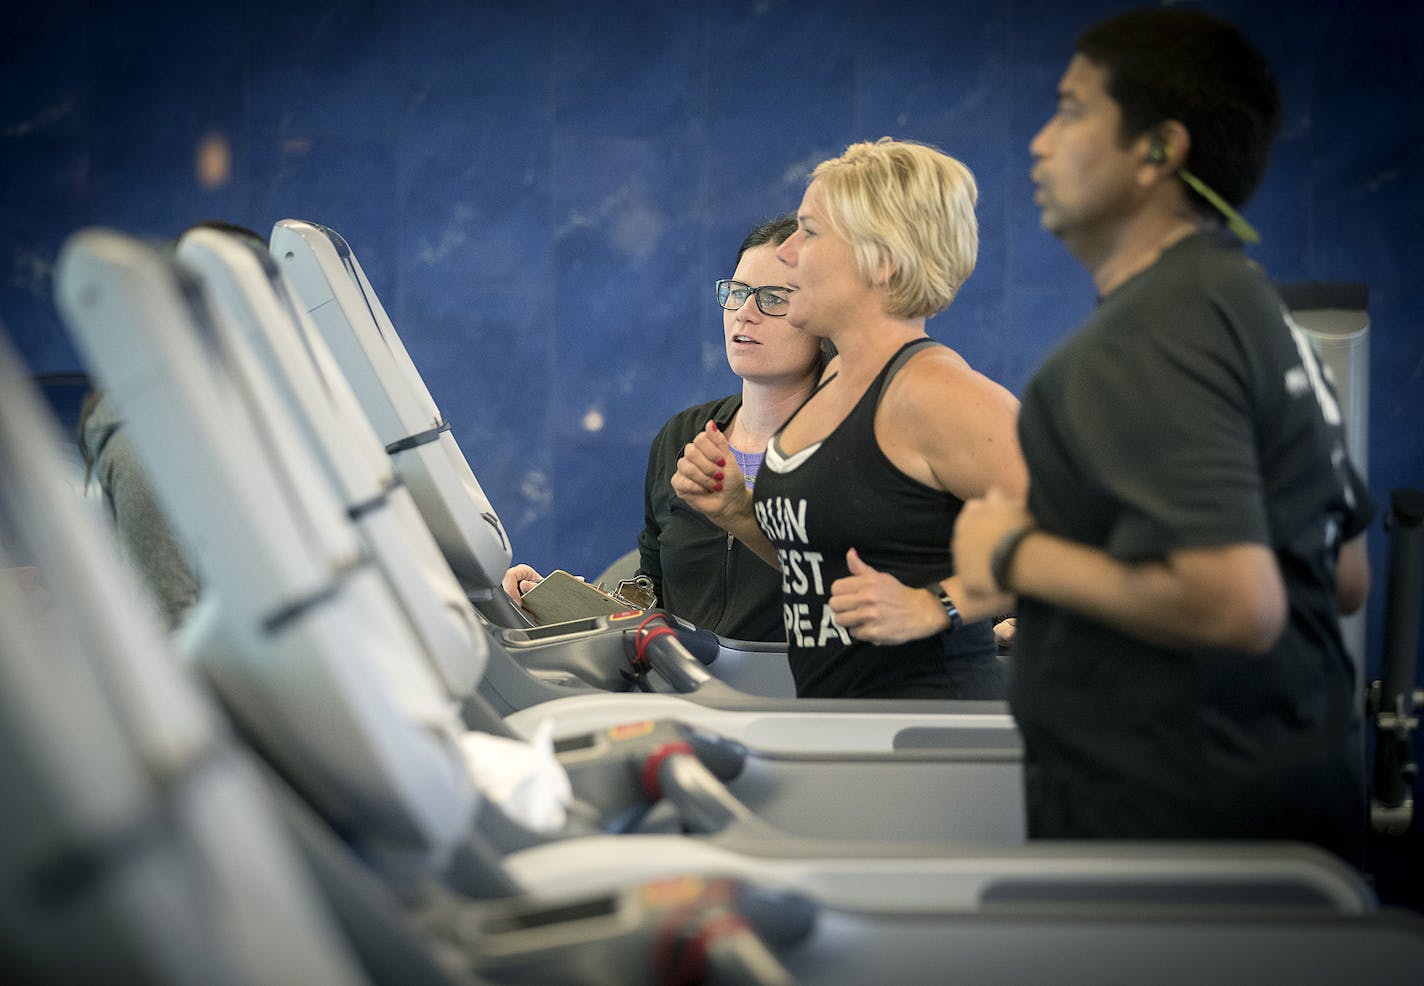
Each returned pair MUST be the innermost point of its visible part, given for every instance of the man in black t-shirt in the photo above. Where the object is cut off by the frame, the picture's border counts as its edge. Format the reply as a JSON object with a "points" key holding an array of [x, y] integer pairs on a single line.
{"points": [[1194, 528]]}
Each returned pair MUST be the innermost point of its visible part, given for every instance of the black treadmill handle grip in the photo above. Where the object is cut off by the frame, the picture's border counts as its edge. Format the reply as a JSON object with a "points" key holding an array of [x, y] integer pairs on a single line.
{"points": [[1395, 769], [723, 756], [671, 659], [701, 644], [1406, 507], [703, 803]]}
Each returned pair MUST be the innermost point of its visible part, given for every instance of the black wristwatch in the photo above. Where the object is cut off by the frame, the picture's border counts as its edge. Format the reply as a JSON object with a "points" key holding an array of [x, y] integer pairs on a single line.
{"points": [[950, 610]]}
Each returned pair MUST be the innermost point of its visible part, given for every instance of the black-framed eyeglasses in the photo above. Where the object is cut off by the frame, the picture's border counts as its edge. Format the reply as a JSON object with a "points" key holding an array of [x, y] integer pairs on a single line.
{"points": [[772, 299]]}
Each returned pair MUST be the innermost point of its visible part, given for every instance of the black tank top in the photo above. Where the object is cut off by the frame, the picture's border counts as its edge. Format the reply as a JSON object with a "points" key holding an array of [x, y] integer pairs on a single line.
{"points": [[846, 494]]}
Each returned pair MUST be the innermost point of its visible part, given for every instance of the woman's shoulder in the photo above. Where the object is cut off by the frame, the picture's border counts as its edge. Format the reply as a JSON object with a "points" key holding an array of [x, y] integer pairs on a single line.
{"points": [[938, 375]]}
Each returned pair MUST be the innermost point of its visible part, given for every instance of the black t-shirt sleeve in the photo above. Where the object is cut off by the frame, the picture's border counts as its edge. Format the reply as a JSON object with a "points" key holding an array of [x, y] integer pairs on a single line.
{"points": [[1165, 428]]}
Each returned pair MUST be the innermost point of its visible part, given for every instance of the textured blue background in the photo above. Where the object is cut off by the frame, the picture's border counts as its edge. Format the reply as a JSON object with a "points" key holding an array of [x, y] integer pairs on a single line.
{"points": [[542, 192]]}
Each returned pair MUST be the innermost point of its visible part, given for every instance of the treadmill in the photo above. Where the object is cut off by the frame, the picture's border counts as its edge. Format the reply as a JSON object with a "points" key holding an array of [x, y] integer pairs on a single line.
{"points": [[553, 660], [1080, 918], [793, 762]]}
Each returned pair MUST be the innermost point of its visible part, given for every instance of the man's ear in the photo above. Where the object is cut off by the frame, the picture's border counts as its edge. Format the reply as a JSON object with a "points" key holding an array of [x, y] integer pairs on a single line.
{"points": [[1166, 146]]}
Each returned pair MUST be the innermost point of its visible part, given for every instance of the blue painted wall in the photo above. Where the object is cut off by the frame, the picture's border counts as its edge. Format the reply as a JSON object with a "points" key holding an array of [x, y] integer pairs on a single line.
{"points": [[543, 192]]}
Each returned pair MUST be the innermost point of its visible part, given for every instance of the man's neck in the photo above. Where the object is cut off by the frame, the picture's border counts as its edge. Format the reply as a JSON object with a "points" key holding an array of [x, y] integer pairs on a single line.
{"points": [[1133, 247]]}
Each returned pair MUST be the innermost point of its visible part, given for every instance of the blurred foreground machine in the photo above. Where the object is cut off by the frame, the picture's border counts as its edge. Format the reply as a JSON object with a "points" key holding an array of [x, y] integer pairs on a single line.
{"points": [[364, 742]]}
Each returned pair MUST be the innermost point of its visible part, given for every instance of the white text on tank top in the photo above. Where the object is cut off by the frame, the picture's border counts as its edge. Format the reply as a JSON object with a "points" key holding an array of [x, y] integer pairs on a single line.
{"points": [[806, 592]]}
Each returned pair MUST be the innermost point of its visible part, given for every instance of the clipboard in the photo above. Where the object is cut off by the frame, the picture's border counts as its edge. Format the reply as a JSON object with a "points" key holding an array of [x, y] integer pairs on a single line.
{"points": [[562, 597]]}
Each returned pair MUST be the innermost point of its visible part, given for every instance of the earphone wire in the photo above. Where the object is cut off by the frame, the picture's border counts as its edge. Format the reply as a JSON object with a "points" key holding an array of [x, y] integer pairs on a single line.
{"points": [[1234, 220]]}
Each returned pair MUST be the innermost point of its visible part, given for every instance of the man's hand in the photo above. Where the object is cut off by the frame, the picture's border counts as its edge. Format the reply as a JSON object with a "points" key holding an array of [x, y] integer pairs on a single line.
{"points": [[982, 524]]}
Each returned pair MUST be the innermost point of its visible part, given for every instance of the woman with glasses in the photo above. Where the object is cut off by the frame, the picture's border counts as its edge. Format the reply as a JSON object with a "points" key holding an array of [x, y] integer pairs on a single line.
{"points": [[699, 572], [856, 500]]}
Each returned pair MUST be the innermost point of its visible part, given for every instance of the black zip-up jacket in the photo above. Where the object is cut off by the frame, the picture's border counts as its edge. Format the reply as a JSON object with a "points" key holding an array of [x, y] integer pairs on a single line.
{"points": [[701, 572]]}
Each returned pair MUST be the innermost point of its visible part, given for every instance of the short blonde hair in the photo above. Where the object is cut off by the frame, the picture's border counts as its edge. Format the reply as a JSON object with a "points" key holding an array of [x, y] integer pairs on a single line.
{"points": [[910, 205]]}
